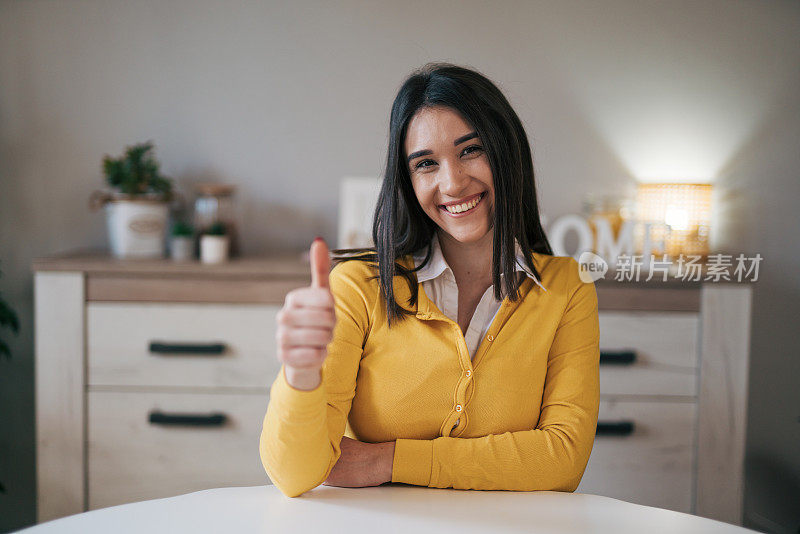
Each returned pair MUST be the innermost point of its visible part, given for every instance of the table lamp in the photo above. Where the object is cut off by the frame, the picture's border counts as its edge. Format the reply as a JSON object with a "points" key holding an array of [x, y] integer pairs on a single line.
{"points": [[679, 215]]}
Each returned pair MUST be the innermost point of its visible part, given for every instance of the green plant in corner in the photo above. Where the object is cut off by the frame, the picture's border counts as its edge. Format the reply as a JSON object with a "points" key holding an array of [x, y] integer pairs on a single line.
{"points": [[8, 319], [136, 173]]}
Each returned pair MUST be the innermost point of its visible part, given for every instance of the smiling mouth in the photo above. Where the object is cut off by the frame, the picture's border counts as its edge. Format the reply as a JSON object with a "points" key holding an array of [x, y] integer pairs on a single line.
{"points": [[464, 207]]}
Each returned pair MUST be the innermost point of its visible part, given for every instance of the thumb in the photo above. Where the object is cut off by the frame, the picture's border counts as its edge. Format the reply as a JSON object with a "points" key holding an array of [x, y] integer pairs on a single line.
{"points": [[320, 263]]}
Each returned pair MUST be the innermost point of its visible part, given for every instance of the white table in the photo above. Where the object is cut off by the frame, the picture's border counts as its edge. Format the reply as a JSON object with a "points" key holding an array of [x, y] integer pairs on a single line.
{"points": [[381, 509]]}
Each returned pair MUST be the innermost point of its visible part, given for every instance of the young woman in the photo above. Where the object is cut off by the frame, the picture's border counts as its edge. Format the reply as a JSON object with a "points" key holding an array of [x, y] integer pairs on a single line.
{"points": [[458, 352]]}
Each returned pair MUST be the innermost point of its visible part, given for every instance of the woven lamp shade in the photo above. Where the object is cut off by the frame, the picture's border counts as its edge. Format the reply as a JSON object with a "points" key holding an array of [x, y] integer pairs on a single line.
{"points": [[680, 215]]}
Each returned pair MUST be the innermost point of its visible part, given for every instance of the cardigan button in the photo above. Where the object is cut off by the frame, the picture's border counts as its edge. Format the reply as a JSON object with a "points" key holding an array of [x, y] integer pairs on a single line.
{"points": [[458, 407], [490, 337], [468, 373]]}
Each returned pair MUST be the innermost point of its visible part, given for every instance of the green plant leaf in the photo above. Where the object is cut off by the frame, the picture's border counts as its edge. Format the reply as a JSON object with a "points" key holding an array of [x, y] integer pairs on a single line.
{"points": [[217, 228], [182, 229], [8, 317], [137, 172]]}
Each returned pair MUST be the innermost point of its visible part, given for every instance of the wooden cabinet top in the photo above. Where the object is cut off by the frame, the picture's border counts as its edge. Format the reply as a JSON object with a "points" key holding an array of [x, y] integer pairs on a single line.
{"points": [[116, 279], [99, 262], [267, 265]]}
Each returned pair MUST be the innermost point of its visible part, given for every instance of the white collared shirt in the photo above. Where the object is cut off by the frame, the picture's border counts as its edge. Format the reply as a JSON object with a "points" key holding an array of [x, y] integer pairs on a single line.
{"points": [[439, 284]]}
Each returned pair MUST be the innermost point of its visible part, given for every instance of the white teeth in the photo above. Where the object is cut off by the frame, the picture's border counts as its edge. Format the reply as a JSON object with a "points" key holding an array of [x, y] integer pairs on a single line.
{"points": [[463, 207]]}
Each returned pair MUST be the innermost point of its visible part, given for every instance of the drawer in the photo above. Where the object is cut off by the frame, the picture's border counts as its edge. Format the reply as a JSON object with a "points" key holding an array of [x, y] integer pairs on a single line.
{"points": [[144, 344], [131, 459], [644, 453], [666, 351]]}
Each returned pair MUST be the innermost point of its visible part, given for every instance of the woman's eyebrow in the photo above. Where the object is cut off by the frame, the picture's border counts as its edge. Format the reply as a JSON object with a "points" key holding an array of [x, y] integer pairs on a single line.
{"points": [[457, 142]]}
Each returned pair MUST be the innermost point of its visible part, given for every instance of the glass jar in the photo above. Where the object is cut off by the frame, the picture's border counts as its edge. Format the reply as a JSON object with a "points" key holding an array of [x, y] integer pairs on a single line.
{"points": [[616, 209], [215, 203]]}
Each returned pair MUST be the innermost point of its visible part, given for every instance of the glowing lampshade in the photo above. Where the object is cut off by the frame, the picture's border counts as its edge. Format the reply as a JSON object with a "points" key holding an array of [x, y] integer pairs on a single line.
{"points": [[679, 214]]}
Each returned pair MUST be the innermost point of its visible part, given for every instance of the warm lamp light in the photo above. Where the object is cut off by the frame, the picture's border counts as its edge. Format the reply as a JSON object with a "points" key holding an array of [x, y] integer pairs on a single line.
{"points": [[679, 215]]}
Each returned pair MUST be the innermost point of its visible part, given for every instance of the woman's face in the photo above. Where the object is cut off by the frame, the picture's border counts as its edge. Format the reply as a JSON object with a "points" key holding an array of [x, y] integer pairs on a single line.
{"points": [[450, 172]]}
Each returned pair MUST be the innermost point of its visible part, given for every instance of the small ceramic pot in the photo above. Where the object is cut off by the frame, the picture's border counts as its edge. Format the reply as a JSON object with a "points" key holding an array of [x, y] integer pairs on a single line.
{"points": [[182, 248], [213, 248], [136, 228]]}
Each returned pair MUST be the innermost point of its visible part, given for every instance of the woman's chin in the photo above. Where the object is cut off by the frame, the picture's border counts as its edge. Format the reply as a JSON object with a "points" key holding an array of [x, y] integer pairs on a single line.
{"points": [[468, 236]]}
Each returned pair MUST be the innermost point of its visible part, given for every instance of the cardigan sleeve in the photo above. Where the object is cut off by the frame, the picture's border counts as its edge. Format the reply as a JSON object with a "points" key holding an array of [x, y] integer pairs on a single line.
{"points": [[552, 456], [302, 430]]}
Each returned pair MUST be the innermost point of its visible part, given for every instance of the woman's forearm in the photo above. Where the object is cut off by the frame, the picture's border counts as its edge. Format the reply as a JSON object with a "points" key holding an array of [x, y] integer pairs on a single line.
{"points": [[362, 464], [385, 460], [296, 447]]}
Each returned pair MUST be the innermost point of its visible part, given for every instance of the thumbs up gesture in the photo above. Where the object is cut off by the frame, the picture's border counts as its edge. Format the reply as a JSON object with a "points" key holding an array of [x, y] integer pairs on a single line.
{"points": [[320, 263], [306, 322]]}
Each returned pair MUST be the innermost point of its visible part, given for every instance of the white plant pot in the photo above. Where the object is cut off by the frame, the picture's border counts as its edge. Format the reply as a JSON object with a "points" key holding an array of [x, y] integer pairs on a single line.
{"points": [[181, 248], [137, 228], [213, 248]]}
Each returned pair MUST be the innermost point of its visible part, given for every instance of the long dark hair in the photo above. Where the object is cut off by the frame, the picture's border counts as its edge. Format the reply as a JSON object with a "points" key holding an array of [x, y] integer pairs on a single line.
{"points": [[401, 227]]}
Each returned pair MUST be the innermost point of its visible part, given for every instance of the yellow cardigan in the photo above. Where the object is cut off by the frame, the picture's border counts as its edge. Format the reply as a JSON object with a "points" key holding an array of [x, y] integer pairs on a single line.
{"points": [[527, 402]]}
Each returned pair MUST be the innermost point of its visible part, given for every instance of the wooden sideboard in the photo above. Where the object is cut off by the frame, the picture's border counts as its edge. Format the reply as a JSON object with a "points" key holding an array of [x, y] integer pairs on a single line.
{"points": [[152, 379]]}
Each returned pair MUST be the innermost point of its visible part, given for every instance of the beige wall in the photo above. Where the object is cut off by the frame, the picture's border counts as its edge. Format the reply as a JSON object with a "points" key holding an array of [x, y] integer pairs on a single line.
{"points": [[285, 98]]}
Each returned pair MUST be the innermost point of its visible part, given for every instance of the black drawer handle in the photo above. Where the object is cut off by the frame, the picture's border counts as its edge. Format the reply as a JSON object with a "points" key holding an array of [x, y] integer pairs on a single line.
{"points": [[621, 357], [616, 428], [160, 347], [174, 419]]}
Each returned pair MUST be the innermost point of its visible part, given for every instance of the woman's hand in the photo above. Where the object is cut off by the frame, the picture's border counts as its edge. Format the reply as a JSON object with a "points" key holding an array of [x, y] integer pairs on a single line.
{"points": [[362, 464], [305, 324]]}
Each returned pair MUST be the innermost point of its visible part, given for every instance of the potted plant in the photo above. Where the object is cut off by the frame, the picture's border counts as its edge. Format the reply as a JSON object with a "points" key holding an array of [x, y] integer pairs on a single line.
{"points": [[138, 208], [182, 242], [214, 244]]}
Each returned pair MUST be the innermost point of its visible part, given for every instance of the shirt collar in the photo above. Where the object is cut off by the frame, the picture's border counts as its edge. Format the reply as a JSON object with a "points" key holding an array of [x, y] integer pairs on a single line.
{"points": [[438, 265]]}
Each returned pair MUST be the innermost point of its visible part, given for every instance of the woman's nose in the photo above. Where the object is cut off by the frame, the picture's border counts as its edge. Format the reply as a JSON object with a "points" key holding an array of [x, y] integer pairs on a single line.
{"points": [[452, 179]]}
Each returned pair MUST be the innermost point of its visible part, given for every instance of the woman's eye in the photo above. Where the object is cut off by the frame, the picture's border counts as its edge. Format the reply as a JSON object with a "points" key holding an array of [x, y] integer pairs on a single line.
{"points": [[467, 150]]}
